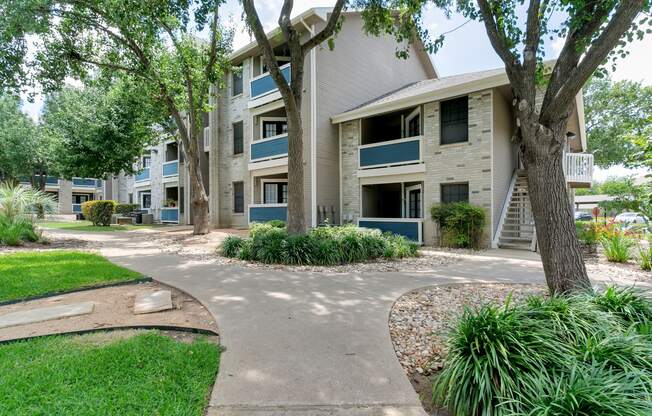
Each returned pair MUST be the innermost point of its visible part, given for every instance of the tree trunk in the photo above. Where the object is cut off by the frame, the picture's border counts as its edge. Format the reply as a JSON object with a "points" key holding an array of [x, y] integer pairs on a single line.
{"points": [[200, 220], [40, 211], [553, 215], [296, 204]]}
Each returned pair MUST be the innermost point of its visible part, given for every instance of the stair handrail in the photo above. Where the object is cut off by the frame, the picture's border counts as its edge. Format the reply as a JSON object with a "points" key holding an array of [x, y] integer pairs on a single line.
{"points": [[503, 212]]}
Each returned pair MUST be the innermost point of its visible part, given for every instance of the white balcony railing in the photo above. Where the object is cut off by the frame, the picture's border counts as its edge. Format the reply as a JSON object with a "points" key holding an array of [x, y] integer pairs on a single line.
{"points": [[578, 167], [207, 139]]}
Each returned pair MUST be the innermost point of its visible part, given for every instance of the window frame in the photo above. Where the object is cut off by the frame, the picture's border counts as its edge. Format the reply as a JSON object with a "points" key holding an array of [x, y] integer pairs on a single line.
{"points": [[235, 200], [442, 140], [406, 123], [241, 148], [279, 183], [444, 185], [235, 79], [263, 120]]}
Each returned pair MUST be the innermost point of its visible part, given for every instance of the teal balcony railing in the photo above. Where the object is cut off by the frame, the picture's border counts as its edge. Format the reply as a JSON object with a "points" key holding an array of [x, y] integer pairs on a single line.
{"points": [[270, 148], [390, 153], [264, 84], [143, 175], [268, 212], [84, 182], [171, 168], [410, 228], [169, 214]]}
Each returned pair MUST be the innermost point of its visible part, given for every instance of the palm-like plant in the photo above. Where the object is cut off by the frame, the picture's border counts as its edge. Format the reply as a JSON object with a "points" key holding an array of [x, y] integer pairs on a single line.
{"points": [[18, 201]]}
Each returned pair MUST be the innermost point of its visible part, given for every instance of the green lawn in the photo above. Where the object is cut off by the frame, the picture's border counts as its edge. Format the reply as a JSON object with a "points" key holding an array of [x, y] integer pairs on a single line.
{"points": [[88, 226], [147, 374], [35, 273]]}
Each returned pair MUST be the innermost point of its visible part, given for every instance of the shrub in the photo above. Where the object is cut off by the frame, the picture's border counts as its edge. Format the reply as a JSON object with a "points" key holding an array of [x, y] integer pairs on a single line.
{"points": [[573, 355], [276, 223], [18, 201], [588, 232], [231, 246], [99, 212], [125, 208], [645, 256], [461, 224], [15, 232], [617, 247], [327, 245]]}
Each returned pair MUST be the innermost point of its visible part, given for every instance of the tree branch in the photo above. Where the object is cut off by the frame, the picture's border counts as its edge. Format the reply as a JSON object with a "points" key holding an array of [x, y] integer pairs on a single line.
{"points": [[532, 37], [328, 31], [598, 51]]}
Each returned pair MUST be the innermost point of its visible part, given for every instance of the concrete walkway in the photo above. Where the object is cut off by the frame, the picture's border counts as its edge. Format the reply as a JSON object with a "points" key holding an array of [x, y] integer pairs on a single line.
{"points": [[306, 343]]}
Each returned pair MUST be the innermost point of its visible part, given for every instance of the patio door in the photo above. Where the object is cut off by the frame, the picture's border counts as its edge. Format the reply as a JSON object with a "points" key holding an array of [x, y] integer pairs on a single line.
{"points": [[146, 201], [412, 126], [413, 201]]}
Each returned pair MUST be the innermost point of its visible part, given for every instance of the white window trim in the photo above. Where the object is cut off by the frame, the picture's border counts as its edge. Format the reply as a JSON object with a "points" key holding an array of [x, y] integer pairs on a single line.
{"points": [[140, 200], [406, 122], [406, 196], [261, 123], [261, 63], [262, 188]]}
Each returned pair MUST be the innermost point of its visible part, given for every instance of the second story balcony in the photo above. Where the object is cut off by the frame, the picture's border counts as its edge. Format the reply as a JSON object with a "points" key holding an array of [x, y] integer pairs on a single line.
{"points": [[85, 183], [390, 153], [270, 148], [578, 168], [142, 176], [171, 168], [264, 84]]}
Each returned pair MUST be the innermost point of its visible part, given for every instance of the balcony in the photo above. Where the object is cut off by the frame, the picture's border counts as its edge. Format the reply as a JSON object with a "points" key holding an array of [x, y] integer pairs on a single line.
{"points": [[84, 182], [578, 168], [267, 212], [171, 168], [264, 84], [143, 175], [410, 228], [270, 148], [76, 208], [390, 153], [170, 215]]}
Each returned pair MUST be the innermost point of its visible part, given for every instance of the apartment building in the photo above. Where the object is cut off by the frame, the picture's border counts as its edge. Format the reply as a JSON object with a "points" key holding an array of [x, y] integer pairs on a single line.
{"points": [[445, 140], [70, 194]]}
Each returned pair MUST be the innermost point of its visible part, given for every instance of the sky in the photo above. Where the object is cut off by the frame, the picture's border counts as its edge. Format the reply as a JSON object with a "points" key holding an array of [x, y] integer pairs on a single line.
{"points": [[465, 49]]}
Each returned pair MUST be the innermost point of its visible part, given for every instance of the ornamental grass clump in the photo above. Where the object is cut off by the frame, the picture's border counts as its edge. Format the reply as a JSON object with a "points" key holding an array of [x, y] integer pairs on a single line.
{"points": [[584, 354], [325, 246], [617, 247], [18, 208]]}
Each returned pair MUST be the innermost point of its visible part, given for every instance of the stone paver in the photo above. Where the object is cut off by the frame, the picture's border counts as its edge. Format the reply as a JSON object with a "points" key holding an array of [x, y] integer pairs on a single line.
{"points": [[301, 343], [161, 300], [45, 314]]}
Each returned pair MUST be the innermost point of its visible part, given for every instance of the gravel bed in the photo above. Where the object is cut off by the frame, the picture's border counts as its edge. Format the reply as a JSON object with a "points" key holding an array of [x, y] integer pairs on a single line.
{"points": [[420, 320], [598, 266], [52, 242]]}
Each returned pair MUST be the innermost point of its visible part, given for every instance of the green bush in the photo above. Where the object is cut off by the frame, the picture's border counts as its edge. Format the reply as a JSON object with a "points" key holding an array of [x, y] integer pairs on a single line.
{"points": [[461, 224], [588, 232], [574, 355], [99, 212], [15, 232], [645, 256], [126, 208], [328, 245], [617, 247]]}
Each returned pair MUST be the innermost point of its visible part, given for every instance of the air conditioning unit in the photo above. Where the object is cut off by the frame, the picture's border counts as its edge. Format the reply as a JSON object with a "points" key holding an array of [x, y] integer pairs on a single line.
{"points": [[207, 139]]}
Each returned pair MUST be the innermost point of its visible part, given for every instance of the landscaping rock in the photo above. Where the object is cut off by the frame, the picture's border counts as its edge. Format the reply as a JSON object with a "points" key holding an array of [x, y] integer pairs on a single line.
{"points": [[45, 314], [153, 302]]}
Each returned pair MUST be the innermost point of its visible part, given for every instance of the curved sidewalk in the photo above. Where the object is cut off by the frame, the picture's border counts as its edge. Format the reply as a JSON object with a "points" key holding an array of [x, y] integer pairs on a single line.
{"points": [[300, 343]]}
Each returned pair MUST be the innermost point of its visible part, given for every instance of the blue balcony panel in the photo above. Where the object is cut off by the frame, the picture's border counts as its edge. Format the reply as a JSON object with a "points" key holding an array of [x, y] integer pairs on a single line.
{"points": [[409, 230], [52, 180], [390, 154], [143, 175], [76, 208], [264, 214], [264, 85], [170, 215], [269, 148], [171, 168], [85, 182]]}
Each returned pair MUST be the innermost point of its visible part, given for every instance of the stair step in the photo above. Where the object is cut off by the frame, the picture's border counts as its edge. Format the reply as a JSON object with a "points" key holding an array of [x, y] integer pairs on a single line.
{"points": [[514, 246], [515, 239]]}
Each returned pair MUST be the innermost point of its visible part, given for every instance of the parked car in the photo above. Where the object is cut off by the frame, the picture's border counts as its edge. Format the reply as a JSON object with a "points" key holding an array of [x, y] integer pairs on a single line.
{"points": [[631, 218], [583, 216]]}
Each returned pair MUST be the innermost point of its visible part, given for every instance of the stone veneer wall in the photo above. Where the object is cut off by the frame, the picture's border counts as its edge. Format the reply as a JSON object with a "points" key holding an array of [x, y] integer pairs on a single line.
{"points": [[455, 163]]}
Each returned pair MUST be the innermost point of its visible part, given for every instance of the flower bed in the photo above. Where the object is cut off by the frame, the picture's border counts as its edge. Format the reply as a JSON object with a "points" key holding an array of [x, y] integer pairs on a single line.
{"points": [[329, 245]]}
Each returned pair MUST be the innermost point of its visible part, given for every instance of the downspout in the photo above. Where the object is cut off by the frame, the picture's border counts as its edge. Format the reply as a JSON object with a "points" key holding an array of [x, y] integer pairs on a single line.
{"points": [[313, 129]]}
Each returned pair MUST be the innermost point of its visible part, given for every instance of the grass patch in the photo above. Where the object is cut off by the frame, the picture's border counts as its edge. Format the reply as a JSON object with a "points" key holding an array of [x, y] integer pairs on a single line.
{"points": [[147, 374], [88, 226], [29, 274]]}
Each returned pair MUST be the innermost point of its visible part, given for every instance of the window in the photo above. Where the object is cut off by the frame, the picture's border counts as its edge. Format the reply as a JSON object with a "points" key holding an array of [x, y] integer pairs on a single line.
{"points": [[455, 120], [238, 138], [455, 192], [413, 123], [131, 198], [236, 77], [145, 200], [238, 197], [414, 203], [275, 193], [273, 128], [147, 161]]}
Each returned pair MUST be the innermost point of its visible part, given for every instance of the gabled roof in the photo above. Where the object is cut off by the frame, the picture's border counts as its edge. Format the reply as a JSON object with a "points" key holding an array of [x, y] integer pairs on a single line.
{"points": [[426, 91]]}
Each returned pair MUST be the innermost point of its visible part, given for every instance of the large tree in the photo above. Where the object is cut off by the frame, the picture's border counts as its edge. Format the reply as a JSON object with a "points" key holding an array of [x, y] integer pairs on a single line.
{"points": [[592, 31], [618, 122], [292, 93], [100, 130], [17, 135], [154, 41]]}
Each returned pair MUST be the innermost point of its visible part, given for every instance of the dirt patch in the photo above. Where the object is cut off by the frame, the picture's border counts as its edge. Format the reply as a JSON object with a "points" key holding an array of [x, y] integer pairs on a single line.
{"points": [[113, 307], [597, 266], [52, 242], [421, 320], [198, 247]]}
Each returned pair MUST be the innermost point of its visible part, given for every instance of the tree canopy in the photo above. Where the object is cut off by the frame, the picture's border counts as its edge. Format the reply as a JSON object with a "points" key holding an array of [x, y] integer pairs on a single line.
{"points": [[17, 138], [619, 122]]}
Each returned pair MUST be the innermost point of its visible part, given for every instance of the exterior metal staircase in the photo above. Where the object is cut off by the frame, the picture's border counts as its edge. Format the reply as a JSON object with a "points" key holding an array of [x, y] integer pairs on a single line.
{"points": [[516, 228]]}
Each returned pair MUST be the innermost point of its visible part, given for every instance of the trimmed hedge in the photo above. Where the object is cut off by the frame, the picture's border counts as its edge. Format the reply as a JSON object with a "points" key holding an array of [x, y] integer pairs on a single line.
{"points": [[99, 212], [126, 208], [329, 245], [461, 223]]}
